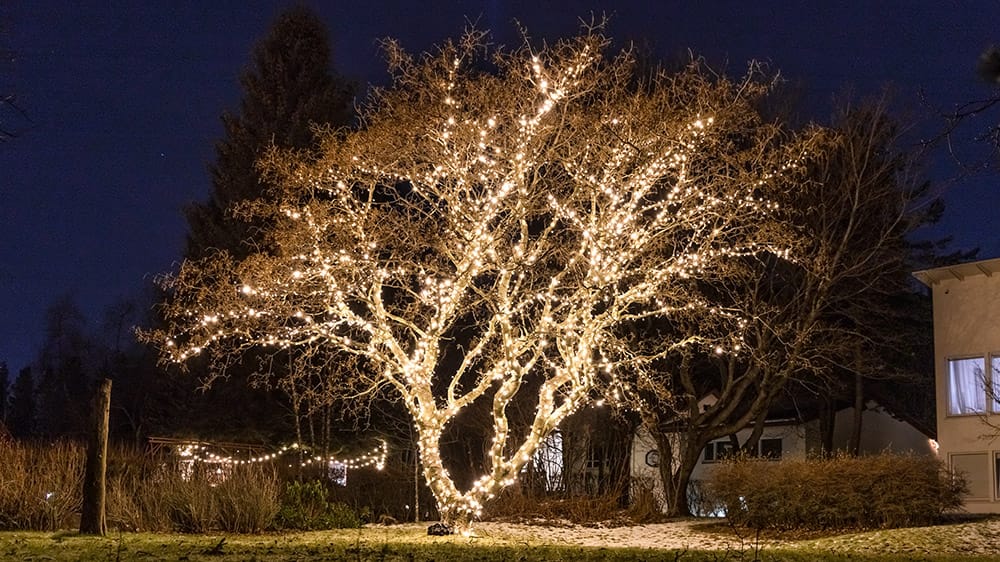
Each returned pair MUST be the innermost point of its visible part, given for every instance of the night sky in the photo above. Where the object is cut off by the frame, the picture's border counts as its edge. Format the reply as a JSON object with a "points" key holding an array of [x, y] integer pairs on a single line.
{"points": [[124, 100]]}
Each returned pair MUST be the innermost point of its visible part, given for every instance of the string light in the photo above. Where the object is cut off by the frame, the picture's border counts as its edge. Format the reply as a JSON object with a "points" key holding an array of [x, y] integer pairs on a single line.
{"points": [[200, 452], [552, 205]]}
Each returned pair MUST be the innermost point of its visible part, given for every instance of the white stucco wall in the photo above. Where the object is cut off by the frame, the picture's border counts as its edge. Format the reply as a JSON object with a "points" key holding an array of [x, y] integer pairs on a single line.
{"points": [[880, 432], [793, 446], [967, 323]]}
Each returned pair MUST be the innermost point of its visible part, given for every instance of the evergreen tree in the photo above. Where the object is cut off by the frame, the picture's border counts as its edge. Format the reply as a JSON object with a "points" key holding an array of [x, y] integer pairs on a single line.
{"points": [[4, 391], [288, 90], [21, 417], [67, 363]]}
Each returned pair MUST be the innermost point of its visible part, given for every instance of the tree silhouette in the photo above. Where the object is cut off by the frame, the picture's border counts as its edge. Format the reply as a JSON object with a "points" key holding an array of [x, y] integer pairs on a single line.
{"points": [[289, 90], [21, 419]]}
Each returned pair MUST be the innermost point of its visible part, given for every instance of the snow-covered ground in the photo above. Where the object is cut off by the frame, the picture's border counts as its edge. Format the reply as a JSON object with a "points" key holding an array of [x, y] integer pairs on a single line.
{"points": [[673, 535], [971, 537]]}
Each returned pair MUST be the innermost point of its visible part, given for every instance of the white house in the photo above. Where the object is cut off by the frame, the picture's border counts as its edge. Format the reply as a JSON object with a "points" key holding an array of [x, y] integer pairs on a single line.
{"points": [[967, 374], [788, 436]]}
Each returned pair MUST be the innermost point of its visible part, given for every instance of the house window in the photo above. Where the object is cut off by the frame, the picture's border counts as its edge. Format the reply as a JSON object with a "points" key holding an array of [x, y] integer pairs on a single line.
{"points": [[597, 458], [996, 475], [995, 382], [721, 450], [966, 386], [337, 473], [770, 448], [547, 463], [718, 451], [975, 469]]}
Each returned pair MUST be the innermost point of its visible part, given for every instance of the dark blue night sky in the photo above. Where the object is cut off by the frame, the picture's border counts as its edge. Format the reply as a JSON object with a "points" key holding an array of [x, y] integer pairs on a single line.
{"points": [[125, 97]]}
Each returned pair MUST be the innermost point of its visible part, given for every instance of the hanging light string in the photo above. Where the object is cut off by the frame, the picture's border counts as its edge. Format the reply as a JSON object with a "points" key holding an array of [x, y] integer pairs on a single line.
{"points": [[376, 458]]}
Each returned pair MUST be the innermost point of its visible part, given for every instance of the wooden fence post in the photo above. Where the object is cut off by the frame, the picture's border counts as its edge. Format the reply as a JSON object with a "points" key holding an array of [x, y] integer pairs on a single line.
{"points": [[92, 519]]}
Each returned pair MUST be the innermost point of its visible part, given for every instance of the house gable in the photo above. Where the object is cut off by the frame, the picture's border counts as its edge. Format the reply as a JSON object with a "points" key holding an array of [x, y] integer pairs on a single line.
{"points": [[966, 356]]}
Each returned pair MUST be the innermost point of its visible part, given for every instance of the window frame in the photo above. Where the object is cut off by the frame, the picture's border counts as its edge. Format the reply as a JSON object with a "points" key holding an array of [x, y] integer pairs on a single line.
{"points": [[781, 448], [720, 450], [988, 477], [990, 384]]}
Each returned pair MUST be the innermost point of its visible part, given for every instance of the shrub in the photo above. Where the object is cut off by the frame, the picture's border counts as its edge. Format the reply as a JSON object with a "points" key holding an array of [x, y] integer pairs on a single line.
{"points": [[517, 504], [248, 500], [138, 487], [645, 501], [306, 505], [190, 503], [881, 491], [40, 485]]}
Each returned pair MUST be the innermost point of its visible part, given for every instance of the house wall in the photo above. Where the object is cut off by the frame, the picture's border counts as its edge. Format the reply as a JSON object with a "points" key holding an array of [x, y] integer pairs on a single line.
{"points": [[879, 432], [793, 446], [966, 322]]}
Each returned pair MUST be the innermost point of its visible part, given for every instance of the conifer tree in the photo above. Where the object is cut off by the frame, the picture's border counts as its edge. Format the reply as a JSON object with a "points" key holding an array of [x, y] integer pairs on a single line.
{"points": [[21, 418], [66, 363], [4, 393], [288, 90]]}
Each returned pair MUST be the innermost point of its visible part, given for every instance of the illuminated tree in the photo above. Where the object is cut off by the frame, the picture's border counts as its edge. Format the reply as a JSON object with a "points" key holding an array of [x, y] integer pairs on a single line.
{"points": [[493, 230]]}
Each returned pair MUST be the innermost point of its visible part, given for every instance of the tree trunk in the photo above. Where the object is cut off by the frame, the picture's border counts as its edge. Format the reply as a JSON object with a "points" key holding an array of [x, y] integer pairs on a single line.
{"points": [[92, 519], [312, 428], [675, 472], [298, 421], [416, 483], [750, 447], [677, 493], [859, 410], [827, 418]]}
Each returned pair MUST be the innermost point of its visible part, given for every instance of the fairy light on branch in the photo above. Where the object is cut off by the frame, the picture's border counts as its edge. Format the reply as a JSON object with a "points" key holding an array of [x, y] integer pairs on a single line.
{"points": [[517, 221]]}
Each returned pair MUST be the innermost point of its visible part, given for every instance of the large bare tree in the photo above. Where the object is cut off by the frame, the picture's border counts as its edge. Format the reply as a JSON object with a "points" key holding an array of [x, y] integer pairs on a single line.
{"points": [[495, 228], [836, 308]]}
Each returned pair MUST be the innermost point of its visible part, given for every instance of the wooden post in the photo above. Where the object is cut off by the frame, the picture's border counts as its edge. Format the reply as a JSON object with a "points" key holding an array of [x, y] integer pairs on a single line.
{"points": [[92, 519]]}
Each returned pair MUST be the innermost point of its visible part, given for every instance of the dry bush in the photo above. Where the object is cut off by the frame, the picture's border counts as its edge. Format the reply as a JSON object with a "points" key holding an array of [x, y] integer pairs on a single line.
{"points": [[248, 500], [147, 493], [191, 503], [645, 501], [40, 485], [880, 491], [383, 495], [138, 486], [518, 504]]}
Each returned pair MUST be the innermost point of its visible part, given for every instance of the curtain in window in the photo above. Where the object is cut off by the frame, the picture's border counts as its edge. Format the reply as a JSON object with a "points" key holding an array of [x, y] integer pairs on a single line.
{"points": [[995, 382], [966, 386]]}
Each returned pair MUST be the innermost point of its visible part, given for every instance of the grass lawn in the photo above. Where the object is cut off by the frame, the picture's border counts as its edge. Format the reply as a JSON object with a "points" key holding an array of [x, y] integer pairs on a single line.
{"points": [[410, 543]]}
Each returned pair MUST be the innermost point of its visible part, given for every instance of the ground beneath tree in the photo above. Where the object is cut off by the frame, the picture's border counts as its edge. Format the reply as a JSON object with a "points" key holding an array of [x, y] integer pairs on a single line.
{"points": [[968, 537]]}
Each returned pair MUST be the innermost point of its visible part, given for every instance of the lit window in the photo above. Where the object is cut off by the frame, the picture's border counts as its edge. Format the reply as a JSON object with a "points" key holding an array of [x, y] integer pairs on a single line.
{"points": [[966, 386], [337, 473]]}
